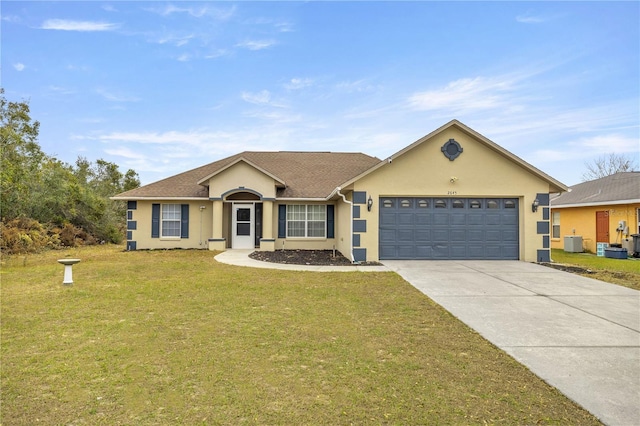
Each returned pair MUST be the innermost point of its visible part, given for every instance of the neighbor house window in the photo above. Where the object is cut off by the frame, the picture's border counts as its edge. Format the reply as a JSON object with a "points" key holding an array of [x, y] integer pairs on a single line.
{"points": [[555, 225], [171, 220], [306, 221]]}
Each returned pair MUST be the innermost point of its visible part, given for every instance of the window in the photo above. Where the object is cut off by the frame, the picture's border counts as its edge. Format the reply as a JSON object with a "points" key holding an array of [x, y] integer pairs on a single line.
{"points": [[458, 204], [493, 204], [423, 204], [405, 204], [555, 225], [387, 204], [475, 204], [171, 220], [306, 221], [441, 204], [508, 204]]}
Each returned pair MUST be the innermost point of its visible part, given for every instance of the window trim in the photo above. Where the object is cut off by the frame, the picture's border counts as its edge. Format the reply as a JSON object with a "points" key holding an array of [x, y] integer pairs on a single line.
{"points": [[307, 221]]}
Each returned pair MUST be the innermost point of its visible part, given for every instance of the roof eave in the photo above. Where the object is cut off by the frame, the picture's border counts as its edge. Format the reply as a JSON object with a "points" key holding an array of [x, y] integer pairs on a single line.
{"points": [[597, 203]]}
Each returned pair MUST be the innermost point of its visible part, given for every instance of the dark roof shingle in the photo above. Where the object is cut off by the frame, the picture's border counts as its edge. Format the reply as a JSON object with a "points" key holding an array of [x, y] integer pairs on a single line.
{"points": [[305, 174], [623, 186]]}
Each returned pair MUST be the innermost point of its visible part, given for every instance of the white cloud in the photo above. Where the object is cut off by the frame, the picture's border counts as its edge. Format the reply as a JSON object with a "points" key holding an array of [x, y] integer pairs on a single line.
{"points": [[185, 57], [259, 98], [176, 40], [69, 25], [256, 44], [19, 66], [466, 94], [116, 97], [221, 14], [355, 86], [528, 18], [602, 144], [58, 90], [298, 83]]}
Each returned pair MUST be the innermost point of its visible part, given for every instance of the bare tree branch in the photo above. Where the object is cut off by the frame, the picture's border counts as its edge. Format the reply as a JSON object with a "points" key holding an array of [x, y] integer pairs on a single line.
{"points": [[608, 165]]}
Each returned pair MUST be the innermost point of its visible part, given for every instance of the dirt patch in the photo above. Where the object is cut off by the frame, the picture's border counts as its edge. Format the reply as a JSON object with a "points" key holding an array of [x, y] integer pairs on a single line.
{"points": [[305, 257], [568, 268]]}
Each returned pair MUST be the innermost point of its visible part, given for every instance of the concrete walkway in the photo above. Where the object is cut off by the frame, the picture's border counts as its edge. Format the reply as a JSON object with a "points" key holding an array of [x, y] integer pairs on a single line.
{"points": [[580, 335]]}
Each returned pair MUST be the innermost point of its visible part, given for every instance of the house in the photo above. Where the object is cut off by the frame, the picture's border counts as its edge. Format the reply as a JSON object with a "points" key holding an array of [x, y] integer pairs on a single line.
{"points": [[594, 210], [452, 194]]}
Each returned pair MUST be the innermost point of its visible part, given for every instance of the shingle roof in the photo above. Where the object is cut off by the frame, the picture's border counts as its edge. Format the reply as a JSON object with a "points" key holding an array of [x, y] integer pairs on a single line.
{"points": [[305, 174], [619, 187]]}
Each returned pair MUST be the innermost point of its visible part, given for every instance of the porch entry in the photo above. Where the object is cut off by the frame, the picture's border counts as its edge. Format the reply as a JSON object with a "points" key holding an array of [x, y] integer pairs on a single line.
{"points": [[242, 228]]}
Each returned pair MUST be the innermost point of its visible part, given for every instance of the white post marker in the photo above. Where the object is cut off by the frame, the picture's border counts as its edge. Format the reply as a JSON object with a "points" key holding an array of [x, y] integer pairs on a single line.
{"points": [[68, 272]]}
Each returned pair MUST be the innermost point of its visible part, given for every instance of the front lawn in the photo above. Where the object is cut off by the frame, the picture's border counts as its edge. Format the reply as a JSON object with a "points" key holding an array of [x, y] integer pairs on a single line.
{"points": [[173, 337], [624, 272]]}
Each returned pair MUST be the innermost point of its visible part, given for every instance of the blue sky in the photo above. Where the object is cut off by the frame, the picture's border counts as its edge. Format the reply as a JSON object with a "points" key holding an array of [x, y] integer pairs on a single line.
{"points": [[163, 87]]}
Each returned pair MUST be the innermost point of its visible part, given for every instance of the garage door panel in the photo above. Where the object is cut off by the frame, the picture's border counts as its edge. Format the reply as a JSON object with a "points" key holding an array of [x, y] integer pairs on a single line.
{"points": [[458, 235], [475, 219], [447, 228], [422, 235], [440, 219], [440, 235], [388, 252], [406, 252], [423, 252], [458, 251], [475, 235], [509, 236], [405, 219], [405, 235], [423, 219], [508, 220], [388, 219], [493, 235]]}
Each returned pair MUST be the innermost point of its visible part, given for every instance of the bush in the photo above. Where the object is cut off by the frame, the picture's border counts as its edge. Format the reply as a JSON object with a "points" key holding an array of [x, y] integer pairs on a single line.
{"points": [[24, 235]]}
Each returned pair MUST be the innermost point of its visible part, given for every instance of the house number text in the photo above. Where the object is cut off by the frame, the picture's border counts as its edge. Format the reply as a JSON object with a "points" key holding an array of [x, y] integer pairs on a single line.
{"points": [[452, 192]]}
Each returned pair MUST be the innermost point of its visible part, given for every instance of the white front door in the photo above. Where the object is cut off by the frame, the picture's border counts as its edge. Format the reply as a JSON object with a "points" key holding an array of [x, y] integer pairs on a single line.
{"points": [[243, 228]]}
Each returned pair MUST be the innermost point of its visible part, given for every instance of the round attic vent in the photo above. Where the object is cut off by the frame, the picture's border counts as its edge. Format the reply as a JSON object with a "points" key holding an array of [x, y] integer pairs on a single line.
{"points": [[451, 149]]}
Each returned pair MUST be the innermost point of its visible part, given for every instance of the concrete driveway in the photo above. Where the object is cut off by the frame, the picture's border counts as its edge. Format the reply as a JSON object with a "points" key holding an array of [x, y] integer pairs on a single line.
{"points": [[580, 335]]}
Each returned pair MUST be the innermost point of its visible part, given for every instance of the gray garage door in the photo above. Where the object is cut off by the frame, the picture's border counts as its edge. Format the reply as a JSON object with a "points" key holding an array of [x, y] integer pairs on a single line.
{"points": [[448, 228]]}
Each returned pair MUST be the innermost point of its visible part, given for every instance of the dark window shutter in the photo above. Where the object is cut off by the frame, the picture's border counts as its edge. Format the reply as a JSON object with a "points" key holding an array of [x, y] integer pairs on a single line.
{"points": [[184, 218], [282, 221], [330, 221], [155, 221]]}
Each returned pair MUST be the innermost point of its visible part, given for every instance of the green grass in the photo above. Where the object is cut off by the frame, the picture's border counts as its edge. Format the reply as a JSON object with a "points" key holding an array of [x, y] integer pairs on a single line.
{"points": [[173, 337], [624, 272]]}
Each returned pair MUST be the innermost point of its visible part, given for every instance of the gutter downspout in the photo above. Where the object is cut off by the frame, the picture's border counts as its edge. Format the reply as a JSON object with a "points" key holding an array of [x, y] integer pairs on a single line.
{"points": [[337, 191]]}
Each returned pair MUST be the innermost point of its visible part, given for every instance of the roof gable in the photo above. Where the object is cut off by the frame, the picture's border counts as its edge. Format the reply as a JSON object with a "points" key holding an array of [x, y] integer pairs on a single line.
{"points": [[623, 187], [554, 185], [205, 179]]}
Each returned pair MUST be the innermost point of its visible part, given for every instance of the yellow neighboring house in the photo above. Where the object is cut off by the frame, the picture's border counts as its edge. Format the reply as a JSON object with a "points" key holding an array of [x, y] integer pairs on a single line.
{"points": [[605, 210]]}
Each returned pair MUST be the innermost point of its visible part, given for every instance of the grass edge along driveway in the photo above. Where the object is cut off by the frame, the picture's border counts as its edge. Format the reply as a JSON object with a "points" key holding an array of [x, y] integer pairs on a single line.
{"points": [[174, 337]]}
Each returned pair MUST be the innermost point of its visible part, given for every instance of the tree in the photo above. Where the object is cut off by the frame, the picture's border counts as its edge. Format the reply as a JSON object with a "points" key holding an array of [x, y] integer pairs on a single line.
{"points": [[42, 189], [608, 165], [20, 156]]}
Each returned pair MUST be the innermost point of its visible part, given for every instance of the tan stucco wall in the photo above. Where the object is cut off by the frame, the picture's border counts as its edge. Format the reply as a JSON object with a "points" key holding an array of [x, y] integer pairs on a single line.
{"points": [[242, 175], [480, 172], [583, 220], [142, 235]]}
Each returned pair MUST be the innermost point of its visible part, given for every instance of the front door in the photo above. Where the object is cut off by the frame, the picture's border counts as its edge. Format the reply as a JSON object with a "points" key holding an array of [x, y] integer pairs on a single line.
{"points": [[602, 227], [243, 216]]}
